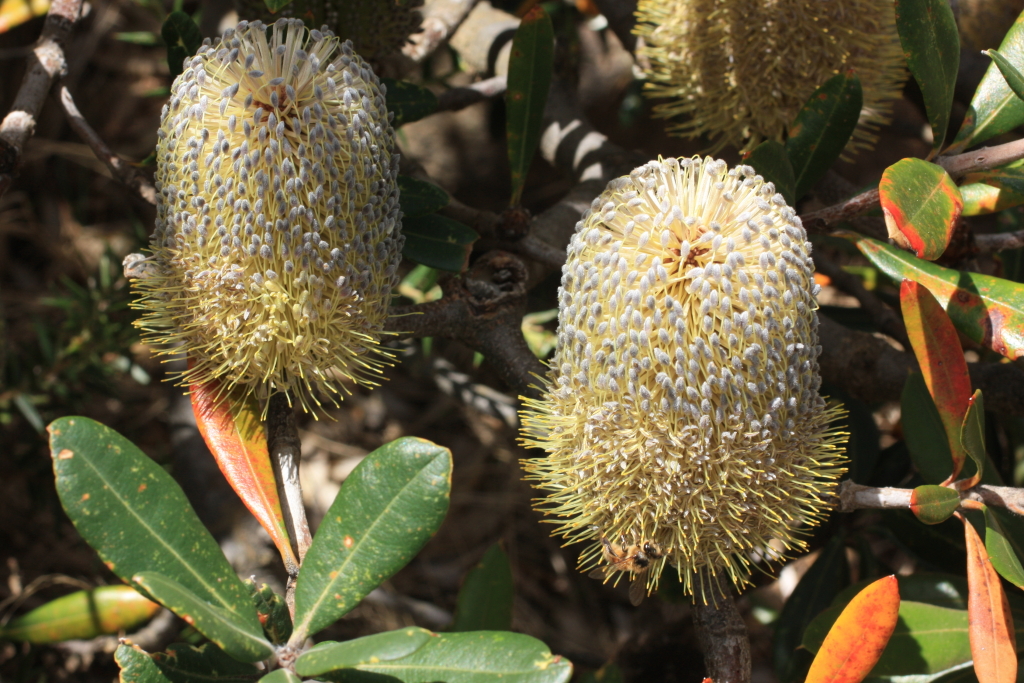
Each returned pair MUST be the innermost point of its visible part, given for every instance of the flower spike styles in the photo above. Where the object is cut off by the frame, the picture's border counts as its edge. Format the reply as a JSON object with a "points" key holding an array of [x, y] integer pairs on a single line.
{"points": [[278, 231], [737, 72], [681, 411]]}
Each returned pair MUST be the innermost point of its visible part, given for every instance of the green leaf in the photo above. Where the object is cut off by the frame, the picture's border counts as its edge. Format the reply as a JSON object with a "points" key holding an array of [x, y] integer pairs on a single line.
{"points": [[609, 673], [1014, 79], [438, 242], [924, 432], [136, 517], [276, 6], [272, 612], [387, 509], [280, 676], [927, 639], [972, 433], [931, 45], [994, 109], [986, 309], [472, 657], [82, 615], [1001, 552], [921, 204], [240, 638], [182, 663], [408, 101], [485, 601], [994, 190], [818, 587], [382, 647], [419, 198], [771, 163], [182, 37], [530, 66], [934, 504], [822, 129]]}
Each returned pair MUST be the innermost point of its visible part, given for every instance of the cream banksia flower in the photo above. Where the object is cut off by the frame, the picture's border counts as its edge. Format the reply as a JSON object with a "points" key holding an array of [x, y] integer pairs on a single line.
{"points": [[682, 406], [738, 71], [278, 231]]}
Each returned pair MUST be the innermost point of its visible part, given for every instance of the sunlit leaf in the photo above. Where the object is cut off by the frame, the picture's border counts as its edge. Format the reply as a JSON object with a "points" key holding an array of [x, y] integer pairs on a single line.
{"points": [[993, 190], [771, 163], [934, 504], [993, 637], [530, 67], [381, 647], [921, 204], [386, 511], [941, 358], [272, 612], [82, 615], [822, 129], [931, 45], [239, 636], [1000, 551], [994, 109], [986, 309], [859, 636], [1013, 77], [230, 423], [972, 436]]}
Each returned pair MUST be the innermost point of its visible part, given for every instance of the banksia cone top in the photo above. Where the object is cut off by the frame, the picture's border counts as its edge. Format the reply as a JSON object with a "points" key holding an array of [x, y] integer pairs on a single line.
{"points": [[278, 229], [738, 71], [682, 406]]}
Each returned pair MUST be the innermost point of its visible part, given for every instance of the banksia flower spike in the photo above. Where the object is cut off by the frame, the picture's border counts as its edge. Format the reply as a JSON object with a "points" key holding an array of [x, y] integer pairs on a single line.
{"points": [[681, 412], [278, 231], [738, 71]]}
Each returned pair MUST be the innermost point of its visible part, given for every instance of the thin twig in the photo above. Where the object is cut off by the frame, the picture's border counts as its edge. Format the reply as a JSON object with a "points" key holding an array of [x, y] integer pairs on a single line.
{"points": [[285, 454], [957, 166], [45, 64], [988, 244], [858, 497], [722, 635], [883, 316], [455, 99], [122, 170]]}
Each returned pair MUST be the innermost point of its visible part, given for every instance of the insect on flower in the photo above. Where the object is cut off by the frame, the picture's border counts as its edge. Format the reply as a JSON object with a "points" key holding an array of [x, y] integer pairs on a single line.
{"points": [[635, 559]]}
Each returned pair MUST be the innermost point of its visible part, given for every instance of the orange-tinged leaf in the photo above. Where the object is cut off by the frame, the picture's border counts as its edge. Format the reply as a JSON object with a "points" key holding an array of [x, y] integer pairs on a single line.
{"points": [[938, 351], [993, 638], [859, 636], [921, 204], [231, 427]]}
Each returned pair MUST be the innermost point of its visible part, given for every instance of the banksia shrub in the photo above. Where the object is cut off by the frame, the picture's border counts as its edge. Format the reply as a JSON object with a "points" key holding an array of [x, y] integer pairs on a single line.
{"points": [[681, 409], [377, 28], [278, 232], [738, 72]]}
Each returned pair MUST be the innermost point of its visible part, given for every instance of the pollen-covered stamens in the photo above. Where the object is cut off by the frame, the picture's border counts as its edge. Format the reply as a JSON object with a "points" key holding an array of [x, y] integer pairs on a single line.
{"points": [[682, 405], [278, 227]]}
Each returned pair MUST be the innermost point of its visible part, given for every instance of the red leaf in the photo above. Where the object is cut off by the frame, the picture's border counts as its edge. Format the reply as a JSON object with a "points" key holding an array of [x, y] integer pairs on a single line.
{"points": [[938, 351], [993, 638], [921, 204], [859, 636], [989, 310], [232, 429]]}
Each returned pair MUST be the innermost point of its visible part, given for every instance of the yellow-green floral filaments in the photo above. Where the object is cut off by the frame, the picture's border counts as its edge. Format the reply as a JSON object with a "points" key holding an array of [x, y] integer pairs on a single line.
{"points": [[737, 72], [682, 403], [278, 231]]}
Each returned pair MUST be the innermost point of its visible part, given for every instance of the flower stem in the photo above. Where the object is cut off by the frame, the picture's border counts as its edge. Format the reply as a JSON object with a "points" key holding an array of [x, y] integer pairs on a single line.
{"points": [[285, 454]]}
